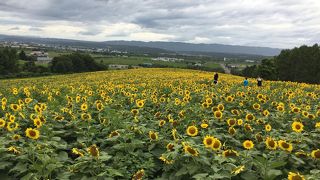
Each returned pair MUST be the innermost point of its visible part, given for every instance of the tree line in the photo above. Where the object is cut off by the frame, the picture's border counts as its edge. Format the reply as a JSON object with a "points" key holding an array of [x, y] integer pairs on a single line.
{"points": [[76, 62], [300, 64]]}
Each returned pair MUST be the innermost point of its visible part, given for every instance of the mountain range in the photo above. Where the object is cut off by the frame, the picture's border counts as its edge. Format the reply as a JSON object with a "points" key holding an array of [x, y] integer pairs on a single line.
{"points": [[153, 46]]}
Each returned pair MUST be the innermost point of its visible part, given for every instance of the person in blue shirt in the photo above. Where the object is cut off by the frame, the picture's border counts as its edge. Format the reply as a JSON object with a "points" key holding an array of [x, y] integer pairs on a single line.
{"points": [[245, 82]]}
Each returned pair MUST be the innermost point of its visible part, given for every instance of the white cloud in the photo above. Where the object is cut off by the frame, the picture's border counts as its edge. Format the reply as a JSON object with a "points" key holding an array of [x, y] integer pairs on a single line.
{"points": [[274, 23]]}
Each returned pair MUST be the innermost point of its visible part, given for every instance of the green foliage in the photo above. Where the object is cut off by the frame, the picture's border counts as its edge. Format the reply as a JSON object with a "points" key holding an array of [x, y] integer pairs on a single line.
{"points": [[8, 61], [299, 64]]}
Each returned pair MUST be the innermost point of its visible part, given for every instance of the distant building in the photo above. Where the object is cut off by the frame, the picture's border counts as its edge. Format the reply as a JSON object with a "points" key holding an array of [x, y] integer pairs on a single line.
{"points": [[198, 64], [118, 66], [166, 59], [249, 61], [41, 56]]}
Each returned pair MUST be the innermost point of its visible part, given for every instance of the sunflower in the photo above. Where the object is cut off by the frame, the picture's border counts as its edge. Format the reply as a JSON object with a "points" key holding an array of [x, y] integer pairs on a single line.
{"points": [[32, 133], [85, 116], [317, 125], [315, 154], [268, 127], [16, 137], [248, 127], [165, 159], [204, 125], [37, 109], [153, 136], [265, 113], [205, 105], [192, 131], [76, 151], [218, 114], [250, 117], [189, 150], [231, 122], [301, 154], [12, 118], [138, 175], [248, 144], [285, 146], [256, 106], [230, 153], [295, 176], [297, 126], [12, 126], [258, 137], [135, 112], [84, 106], [2, 123], [208, 141], [221, 107], [170, 147], [295, 110], [13, 149], [305, 113], [93, 150], [58, 118], [15, 107], [216, 145], [239, 122], [174, 134], [237, 170], [140, 103], [99, 106], [37, 122], [113, 134], [27, 100], [209, 101], [162, 122], [229, 99], [271, 144], [311, 116], [232, 130], [280, 108]]}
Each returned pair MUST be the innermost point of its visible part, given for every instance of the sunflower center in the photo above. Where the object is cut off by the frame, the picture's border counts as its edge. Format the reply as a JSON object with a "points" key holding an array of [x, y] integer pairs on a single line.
{"points": [[191, 151], [296, 177], [285, 145], [271, 143], [209, 141], [317, 154], [192, 131], [32, 133]]}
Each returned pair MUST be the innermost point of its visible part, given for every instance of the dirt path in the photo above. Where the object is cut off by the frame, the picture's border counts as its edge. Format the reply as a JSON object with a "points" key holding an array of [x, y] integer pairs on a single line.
{"points": [[226, 70]]}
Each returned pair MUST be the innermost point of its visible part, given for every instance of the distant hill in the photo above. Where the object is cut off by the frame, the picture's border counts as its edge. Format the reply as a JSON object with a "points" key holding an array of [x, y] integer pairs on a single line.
{"points": [[209, 48], [153, 46]]}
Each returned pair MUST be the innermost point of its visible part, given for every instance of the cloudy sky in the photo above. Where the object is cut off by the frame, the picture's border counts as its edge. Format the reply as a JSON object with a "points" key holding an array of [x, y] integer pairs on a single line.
{"points": [[272, 23]]}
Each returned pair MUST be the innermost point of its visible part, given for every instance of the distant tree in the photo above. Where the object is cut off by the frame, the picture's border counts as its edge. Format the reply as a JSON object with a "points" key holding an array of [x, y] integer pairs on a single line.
{"points": [[8, 61], [22, 55]]}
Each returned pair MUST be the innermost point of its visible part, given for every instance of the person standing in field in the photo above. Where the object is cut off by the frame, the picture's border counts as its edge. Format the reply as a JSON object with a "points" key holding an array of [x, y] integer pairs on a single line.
{"points": [[259, 81], [215, 78], [245, 82]]}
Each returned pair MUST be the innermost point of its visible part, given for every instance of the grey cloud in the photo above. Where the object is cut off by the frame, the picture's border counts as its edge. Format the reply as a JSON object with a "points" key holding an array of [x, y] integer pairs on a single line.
{"points": [[264, 23], [14, 29]]}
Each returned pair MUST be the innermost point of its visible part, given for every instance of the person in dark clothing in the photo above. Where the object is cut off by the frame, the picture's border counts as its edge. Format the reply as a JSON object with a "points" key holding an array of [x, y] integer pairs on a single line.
{"points": [[259, 81], [215, 78]]}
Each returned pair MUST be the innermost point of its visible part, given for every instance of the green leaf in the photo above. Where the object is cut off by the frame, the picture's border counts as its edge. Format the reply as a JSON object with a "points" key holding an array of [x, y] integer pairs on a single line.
{"points": [[277, 164], [28, 176], [63, 156], [200, 176], [273, 173], [249, 175], [19, 167], [181, 171], [3, 165]]}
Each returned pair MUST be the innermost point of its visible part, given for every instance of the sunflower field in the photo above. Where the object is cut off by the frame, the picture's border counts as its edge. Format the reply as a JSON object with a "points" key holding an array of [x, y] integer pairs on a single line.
{"points": [[158, 124]]}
